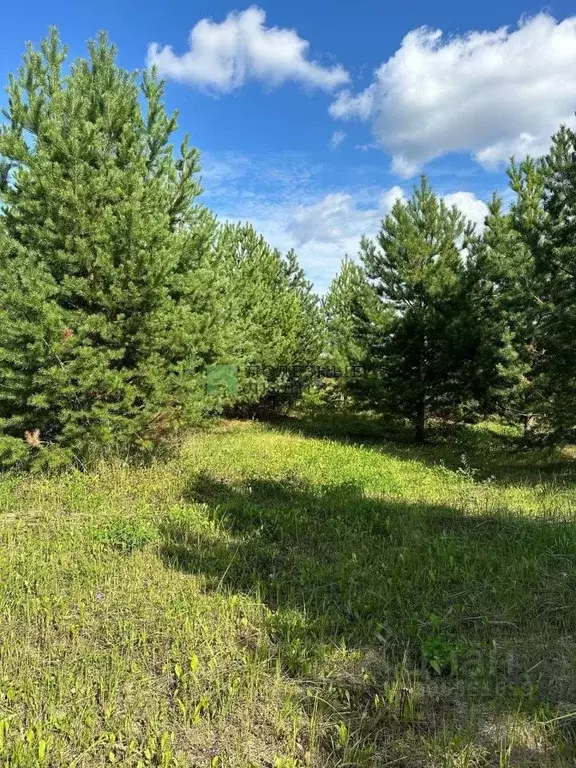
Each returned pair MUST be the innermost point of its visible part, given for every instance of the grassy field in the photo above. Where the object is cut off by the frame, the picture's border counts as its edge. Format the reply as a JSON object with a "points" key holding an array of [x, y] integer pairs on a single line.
{"points": [[292, 596]]}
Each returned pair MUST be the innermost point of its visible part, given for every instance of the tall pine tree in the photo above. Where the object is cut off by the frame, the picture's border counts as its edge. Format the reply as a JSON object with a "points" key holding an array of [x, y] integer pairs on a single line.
{"points": [[556, 263], [505, 310], [417, 269], [101, 332], [273, 318]]}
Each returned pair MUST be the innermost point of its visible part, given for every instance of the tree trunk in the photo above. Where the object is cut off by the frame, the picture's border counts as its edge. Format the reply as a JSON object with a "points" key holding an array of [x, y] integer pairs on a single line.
{"points": [[527, 422]]}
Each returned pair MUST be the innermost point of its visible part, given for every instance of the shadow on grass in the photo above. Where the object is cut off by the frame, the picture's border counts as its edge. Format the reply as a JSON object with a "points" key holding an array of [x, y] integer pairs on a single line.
{"points": [[459, 594], [481, 606], [497, 454]]}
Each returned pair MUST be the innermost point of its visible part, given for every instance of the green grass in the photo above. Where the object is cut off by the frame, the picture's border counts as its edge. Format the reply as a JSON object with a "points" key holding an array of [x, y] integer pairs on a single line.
{"points": [[290, 596]]}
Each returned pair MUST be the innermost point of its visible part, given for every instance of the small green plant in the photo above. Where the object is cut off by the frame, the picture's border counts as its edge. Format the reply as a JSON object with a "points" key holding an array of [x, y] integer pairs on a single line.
{"points": [[441, 655], [295, 650], [125, 534], [287, 762]]}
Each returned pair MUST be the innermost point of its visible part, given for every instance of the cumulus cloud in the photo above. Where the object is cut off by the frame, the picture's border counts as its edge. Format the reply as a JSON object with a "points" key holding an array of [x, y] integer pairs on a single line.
{"points": [[471, 206], [337, 218], [389, 197], [223, 56], [337, 138], [492, 94], [286, 199]]}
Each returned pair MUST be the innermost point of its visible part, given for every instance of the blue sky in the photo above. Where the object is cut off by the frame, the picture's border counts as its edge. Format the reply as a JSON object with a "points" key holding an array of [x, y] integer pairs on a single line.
{"points": [[312, 117]]}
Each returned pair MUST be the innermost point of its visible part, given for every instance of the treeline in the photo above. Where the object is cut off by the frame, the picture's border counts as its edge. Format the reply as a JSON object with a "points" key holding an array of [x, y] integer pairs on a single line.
{"points": [[446, 321], [120, 292]]}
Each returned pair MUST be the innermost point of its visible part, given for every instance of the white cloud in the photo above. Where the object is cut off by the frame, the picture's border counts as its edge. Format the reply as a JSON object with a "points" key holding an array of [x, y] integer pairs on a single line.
{"points": [[337, 219], [389, 197], [223, 56], [471, 206], [347, 105], [285, 198], [365, 147], [492, 94], [337, 138], [327, 221]]}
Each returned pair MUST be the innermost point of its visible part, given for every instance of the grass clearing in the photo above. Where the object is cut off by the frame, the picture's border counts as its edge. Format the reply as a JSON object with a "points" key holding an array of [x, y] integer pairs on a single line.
{"points": [[274, 597]]}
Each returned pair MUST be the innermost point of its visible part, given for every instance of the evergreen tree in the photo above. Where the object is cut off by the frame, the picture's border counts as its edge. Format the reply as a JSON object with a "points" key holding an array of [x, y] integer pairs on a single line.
{"points": [[506, 309], [556, 263], [273, 319], [356, 321], [527, 259], [417, 270], [101, 334], [346, 292], [310, 328]]}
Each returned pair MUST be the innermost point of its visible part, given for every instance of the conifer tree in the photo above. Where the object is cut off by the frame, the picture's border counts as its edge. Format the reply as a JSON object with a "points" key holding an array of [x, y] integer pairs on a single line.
{"points": [[526, 257], [505, 307], [347, 291], [273, 319], [556, 263], [417, 270], [310, 329], [356, 322], [102, 334]]}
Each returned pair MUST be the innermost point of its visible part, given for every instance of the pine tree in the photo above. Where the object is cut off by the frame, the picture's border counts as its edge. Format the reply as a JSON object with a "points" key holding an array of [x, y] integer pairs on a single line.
{"points": [[343, 347], [273, 319], [356, 321], [556, 264], [506, 307], [310, 329], [417, 270], [101, 340]]}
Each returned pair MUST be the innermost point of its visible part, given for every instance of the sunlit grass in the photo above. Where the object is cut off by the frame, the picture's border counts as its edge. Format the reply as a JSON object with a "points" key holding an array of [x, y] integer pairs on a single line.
{"points": [[289, 596]]}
